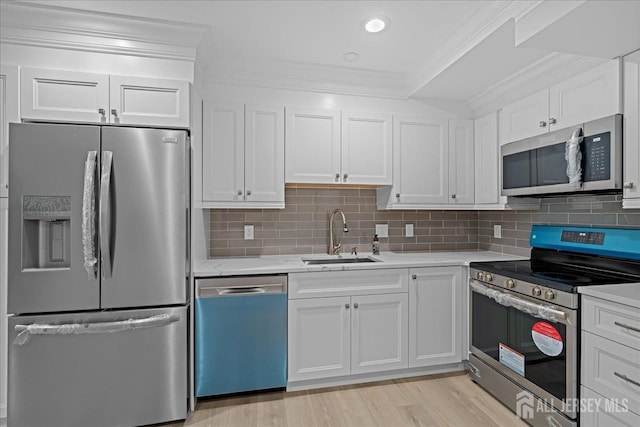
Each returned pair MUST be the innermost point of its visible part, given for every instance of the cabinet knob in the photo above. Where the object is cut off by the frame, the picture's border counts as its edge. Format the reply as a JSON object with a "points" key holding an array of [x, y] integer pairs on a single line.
{"points": [[414, 277], [345, 176], [114, 112], [337, 176], [248, 192], [239, 192], [102, 112], [552, 121], [543, 124], [346, 306], [453, 196], [355, 305], [397, 195], [628, 185]]}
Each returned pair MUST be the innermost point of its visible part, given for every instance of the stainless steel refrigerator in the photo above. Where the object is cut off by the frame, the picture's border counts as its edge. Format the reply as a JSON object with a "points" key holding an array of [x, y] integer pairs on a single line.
{"points": [[98, 273]]}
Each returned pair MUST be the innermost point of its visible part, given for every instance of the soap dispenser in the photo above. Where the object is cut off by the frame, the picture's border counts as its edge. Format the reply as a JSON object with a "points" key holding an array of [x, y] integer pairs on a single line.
{"points": [[375, 245]]}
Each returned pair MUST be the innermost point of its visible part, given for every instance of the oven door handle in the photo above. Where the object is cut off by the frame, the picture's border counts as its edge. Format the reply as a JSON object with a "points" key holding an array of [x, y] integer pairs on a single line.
{"points": [[542, 311]]}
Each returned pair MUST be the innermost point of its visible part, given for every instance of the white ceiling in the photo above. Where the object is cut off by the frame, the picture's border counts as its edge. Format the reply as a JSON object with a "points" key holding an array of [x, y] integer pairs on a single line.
{"points": [[440, 50]]}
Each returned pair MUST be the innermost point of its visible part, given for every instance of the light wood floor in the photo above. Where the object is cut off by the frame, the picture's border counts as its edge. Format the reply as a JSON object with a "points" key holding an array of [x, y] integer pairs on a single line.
{"points": [[436, 400]]}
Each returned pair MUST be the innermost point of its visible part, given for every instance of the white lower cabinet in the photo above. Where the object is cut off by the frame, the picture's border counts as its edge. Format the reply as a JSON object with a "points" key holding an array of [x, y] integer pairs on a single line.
{"points": [[435, 316], [379, 332], [332, 336], [319, 338]]}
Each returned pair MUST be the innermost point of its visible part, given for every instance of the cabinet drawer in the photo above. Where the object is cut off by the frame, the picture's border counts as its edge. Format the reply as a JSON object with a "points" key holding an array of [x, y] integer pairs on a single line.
{"points": [[606, 364], [343, 283], [602, 412], [611, 320]]}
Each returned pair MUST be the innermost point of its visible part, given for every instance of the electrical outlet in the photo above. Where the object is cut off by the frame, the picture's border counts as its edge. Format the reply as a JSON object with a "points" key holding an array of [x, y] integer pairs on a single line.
{"points": [[497, 231], [382, 230], [248, 232], [408, 230]]}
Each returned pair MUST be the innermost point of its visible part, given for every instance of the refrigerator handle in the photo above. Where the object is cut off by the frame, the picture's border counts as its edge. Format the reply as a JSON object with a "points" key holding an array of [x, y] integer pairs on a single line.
{"points": [[25, 331], [105, 213], [89, 216]]}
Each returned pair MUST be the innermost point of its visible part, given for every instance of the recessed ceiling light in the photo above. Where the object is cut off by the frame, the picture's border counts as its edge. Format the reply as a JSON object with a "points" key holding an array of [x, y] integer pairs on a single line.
{"points": [[350, 56], [375, 25]]}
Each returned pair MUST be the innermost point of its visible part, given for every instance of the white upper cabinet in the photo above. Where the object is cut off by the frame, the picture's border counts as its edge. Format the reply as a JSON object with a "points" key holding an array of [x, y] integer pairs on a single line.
{"points": [[71, 96], [587, 96], [8, 114], [432, 164], [631, 131], [526, 118], [312, 146], [242, 155], [487, 168], [366, 148], [152, 102], [420, 160], [325, 147], [461, 162]]}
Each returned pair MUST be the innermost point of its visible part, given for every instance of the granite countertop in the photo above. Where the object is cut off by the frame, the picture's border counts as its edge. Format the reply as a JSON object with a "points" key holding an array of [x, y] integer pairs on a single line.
{"points": [[626, 293], [275, 264]]}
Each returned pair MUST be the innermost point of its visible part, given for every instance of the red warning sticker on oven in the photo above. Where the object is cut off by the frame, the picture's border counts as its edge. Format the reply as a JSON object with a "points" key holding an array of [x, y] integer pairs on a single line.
{"points": [[547, 338]]}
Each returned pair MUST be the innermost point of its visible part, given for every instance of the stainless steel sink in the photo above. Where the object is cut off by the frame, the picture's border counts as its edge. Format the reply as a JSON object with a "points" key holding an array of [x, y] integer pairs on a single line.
{"points": [[315, 261]]}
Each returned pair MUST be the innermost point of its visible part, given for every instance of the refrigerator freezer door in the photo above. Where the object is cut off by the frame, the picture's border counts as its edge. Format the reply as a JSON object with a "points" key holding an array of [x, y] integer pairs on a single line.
{"points": [[106, 374], [148, 208], [46, 262]]}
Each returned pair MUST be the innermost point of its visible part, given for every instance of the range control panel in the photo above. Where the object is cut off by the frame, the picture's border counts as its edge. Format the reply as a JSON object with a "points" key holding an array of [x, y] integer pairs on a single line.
{"points": [[586, 237]]}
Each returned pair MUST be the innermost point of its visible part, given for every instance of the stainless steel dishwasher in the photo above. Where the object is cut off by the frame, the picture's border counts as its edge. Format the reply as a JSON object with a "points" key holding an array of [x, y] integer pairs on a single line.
{"points": [[241, 334]]}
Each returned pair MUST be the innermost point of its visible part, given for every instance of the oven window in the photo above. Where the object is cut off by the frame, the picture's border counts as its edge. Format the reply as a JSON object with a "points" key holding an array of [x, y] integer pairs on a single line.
{"points": [[493, 325], [551, 165], [517, 170]]}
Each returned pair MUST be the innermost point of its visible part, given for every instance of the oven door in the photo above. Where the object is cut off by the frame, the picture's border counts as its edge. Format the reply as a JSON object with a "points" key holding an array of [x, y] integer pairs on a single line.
{"points": [[532, 343]]}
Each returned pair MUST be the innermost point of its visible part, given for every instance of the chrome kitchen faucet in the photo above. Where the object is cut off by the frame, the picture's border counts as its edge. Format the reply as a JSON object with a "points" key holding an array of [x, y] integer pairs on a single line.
{"points": [[334, 248]]}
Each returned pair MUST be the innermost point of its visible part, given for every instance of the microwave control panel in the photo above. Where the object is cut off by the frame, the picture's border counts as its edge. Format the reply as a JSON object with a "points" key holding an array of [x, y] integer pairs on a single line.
{"points": [[597, 162]]}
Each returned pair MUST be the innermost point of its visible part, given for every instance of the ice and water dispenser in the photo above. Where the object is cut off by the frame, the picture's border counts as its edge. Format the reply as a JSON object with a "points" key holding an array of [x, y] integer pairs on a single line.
{"points": [[46, 234]]}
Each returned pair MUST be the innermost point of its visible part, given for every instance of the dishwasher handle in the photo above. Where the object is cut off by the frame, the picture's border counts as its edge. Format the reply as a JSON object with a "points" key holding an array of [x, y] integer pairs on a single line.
{"points": [[222, 291]]}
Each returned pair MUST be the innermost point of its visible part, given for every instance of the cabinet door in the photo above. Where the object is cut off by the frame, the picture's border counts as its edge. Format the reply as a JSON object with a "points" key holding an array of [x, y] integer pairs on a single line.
{"points": [[525, 118], [366, 148], [588, 96], [487, 167], [312, 146], [8, 113], [420, 160], [435, 316], [64, 96], [631, 129], [4, 220], [149, 102], [319, 338], [461, 177], [223, 152], [264, 153], [379, 332]]}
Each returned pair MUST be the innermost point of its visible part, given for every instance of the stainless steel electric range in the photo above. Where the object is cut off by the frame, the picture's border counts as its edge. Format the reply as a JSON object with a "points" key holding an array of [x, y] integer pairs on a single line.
{"points": [[524, 329]]}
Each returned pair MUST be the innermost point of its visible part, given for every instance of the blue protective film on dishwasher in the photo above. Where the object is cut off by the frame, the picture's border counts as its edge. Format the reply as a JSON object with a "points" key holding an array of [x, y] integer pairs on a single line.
{"points": [[241, 344]]}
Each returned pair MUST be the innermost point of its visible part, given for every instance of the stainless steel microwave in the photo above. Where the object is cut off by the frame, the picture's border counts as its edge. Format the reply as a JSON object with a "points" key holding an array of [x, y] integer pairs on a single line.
{"points": [[538, 166]]}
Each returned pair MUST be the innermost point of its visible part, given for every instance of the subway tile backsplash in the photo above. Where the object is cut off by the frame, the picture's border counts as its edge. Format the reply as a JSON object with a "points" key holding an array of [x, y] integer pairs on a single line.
{"points": [[586, 210], [303, 226]]}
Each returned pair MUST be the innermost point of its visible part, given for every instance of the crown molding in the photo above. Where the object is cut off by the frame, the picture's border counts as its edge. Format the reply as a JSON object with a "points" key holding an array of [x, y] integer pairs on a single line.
{"points": [[543, 73], [40, 25], [278, 74]]}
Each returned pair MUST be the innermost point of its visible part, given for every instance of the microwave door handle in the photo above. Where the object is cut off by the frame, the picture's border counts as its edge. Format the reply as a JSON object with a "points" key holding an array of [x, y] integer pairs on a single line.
{"points": [[89, 216], [105, 214]]}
